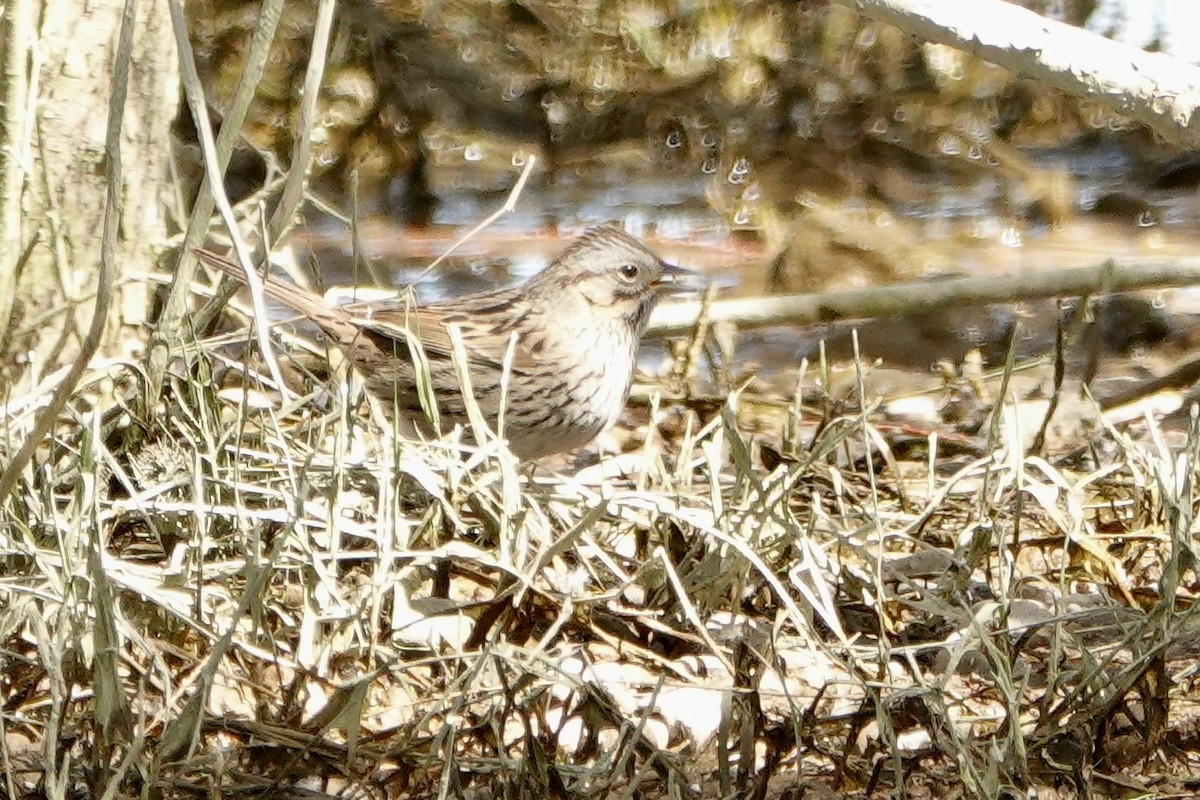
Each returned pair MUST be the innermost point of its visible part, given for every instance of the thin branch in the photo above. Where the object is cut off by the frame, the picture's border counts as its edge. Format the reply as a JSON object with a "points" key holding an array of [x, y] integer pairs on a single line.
{"points": [[907, 298], [1153, 88], [509, 205]]}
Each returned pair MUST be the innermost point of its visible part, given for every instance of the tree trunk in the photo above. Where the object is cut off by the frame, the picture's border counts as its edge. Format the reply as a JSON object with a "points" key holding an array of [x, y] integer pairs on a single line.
{"points": [[56, 90]]}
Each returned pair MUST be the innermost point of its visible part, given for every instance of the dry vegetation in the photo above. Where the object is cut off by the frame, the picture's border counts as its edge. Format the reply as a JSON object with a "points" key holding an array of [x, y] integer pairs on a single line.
{"points": [[245, 593], [235, 598]]}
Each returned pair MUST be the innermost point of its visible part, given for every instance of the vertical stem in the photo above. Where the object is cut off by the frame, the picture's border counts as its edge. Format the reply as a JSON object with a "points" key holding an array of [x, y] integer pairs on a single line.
{"points": [[293, 188], [168, 332], [16, 33]]}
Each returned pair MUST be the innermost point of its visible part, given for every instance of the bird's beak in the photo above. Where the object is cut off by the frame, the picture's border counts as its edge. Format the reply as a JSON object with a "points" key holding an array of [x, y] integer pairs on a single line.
{"points": [[677, 280]]}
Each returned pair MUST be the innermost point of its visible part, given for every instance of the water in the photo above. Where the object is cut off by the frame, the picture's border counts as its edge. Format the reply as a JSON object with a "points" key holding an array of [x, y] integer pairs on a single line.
{"points": [[974, 225]]}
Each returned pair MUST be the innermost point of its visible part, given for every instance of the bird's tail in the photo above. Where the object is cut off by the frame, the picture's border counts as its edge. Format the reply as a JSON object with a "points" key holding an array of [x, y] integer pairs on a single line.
{"points": [[309, 304]]}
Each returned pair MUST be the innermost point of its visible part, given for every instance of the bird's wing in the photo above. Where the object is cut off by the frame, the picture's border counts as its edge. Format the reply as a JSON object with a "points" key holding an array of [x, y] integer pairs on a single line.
{"points": [[431, 326]]}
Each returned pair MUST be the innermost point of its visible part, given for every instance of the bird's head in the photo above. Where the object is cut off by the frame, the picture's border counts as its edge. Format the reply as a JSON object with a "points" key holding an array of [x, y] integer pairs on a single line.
{"points": [[613, 272]]}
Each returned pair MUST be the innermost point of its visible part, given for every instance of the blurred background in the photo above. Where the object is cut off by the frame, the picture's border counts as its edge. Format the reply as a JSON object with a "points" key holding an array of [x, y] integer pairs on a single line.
{"points": [[784, 146]]}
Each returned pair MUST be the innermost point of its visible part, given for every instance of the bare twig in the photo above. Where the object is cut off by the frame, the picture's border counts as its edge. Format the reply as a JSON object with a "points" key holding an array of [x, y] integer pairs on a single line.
{"points": [[908, 298], [507, 208]]}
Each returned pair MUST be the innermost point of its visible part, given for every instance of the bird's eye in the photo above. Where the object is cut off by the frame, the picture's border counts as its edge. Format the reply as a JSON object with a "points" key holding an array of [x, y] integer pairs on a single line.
{"points": [[628, 272]]}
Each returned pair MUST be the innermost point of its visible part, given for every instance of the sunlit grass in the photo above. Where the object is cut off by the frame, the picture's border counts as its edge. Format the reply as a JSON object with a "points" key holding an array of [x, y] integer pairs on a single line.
{"points": [[179, 592]]}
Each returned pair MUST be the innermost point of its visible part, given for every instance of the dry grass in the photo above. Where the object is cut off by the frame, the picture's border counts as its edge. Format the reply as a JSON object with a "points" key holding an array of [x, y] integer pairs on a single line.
{"points": [[233, 598], [255, 592]]}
